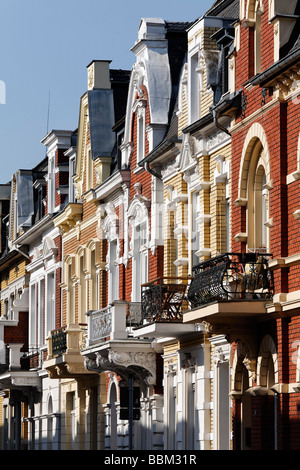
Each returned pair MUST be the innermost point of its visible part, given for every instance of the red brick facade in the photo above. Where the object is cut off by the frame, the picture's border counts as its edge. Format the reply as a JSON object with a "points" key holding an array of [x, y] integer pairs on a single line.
{"points": [[275, 418]]}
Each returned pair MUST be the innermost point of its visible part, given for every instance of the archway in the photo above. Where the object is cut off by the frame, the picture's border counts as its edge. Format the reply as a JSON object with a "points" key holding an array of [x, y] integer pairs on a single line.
{"points": [[113, 418]]}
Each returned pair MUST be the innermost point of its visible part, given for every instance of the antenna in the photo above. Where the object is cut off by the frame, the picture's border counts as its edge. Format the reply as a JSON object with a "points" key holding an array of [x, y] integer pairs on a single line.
{"points": [[48, 113]]}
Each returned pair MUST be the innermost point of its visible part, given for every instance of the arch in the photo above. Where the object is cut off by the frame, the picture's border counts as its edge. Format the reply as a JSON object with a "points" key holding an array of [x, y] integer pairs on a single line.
{"points": [[138, 217], [254, 185], [113, 397], [267, 351], [92, 245], [243, 356], [69, 268], [256, 136], [80, 253], [49, 422], [253, 8]]}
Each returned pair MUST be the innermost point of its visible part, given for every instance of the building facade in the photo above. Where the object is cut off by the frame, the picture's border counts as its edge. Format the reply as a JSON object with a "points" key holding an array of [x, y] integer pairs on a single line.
{"points": [[150, 262]]}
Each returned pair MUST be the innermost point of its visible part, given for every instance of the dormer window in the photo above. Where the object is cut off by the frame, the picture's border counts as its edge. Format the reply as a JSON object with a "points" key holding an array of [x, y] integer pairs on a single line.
{"points": [[225, 40]]}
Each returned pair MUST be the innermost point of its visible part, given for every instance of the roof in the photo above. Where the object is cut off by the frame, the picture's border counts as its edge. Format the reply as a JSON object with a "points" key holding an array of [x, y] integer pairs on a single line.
{"points": [[225, 9]]}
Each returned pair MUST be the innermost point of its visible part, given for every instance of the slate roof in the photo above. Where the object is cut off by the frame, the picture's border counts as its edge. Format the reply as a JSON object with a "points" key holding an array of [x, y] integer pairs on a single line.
{"points": [[225, 9]]}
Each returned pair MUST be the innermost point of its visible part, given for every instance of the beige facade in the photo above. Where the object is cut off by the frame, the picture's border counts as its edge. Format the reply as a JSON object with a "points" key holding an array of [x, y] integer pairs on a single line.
{"points": [[196, 179]]}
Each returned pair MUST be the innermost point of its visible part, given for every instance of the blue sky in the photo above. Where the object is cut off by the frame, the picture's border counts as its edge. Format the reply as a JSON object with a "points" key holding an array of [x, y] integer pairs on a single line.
{"points": [[45, 47]]}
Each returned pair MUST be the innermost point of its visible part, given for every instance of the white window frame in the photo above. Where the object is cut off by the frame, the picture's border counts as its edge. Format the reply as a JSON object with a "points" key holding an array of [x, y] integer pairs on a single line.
{"points": [[33, 311], [113, 270], [50, 302]]}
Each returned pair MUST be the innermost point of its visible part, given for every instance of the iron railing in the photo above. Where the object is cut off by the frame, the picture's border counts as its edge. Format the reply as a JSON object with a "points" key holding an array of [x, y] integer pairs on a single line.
{"points": [[232, 276], [162, 299], [59, 341]]}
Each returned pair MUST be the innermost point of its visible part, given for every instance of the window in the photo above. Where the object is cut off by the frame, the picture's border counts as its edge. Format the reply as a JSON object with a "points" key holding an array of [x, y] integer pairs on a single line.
{"points": [[260, 209], [257, 202], [69, 272], [257, 42], [83, 289], [72, 167], [194, 89], [140, 261], [191, 412], [227, 222], [93, 282], [113, 272], [89, 170], [140, 134], [41, 312], [33, 316], [50, 303], [195, 226], [139, 237]]}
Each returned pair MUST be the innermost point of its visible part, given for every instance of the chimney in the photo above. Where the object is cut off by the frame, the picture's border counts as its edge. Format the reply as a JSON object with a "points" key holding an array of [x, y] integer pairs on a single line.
{"points": [[98, 75]]}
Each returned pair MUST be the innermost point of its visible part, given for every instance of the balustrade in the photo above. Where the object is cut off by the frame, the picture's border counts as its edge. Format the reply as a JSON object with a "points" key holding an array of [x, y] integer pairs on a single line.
{"points": [[232, 276], [163, 298]]}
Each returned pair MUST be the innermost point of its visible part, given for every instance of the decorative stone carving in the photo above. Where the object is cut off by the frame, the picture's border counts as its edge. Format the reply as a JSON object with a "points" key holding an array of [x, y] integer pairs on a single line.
{"points": [[141, 364]]}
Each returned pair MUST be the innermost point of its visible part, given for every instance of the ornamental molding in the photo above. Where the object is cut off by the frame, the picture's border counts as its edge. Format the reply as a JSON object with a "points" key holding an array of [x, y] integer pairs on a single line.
{"points": [[140, 364]]}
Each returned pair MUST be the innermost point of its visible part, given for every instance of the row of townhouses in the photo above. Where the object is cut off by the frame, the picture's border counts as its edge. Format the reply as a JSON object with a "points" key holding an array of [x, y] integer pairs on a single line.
{"points": [[150, 263]]}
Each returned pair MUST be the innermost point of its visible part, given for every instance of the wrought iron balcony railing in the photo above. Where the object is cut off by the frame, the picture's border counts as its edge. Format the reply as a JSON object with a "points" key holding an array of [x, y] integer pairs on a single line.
{"points": [[232, 276], [59, 341], [162, 299]]}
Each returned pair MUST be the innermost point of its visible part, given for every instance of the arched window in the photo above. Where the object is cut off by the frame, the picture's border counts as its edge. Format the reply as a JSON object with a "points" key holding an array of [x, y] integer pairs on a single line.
{"points": [[139, 230], [93, 260], [255, 185], [113, 418], [257, 202], [111, 231], [50, 424], [83, 289], [252, 18]]}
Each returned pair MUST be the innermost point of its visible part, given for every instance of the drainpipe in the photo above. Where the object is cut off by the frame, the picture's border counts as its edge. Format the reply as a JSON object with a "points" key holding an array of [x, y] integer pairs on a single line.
{"points": [[151, 171], [217, 124]]}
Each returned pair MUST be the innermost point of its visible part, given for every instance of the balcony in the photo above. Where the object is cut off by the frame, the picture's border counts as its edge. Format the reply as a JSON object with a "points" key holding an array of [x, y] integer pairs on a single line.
{"points": [[233, 285], [16, 371], [64, 358], [110, 344], [163, 302]]}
